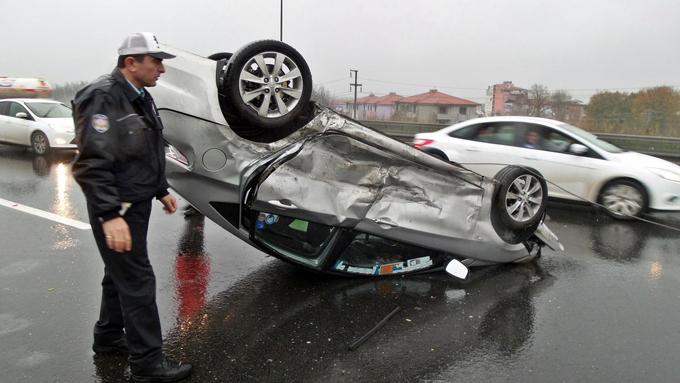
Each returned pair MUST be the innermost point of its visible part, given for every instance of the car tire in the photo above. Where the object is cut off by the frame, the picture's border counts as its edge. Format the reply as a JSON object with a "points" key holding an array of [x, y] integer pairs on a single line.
{"points": [[519, 202], [259, 97], [39, 143], [623, 199]]}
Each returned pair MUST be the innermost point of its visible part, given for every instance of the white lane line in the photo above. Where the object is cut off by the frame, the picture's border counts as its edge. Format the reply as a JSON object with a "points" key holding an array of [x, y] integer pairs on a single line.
{"points": [[45, 214]]}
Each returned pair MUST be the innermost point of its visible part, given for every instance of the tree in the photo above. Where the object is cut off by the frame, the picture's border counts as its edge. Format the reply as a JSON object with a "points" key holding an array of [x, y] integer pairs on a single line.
{"points": [[66, 92], [322, 96], [655, 111], [539, 100], [560, 102]]}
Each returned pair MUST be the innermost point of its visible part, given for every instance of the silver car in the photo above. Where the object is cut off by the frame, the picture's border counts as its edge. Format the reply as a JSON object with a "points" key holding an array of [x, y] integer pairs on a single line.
{"points": [[250, 151]]}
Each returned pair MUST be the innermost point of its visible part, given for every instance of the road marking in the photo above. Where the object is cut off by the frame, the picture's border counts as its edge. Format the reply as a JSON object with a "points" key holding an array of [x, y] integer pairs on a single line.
{"points": [[45, 214]]}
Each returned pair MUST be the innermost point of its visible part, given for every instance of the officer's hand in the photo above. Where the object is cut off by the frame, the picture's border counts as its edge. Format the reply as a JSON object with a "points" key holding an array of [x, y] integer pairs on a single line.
{"points": [[117, 234], [169, 203]]}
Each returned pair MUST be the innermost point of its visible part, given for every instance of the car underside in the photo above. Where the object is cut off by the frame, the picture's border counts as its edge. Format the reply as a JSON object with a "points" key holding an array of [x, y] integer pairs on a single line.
{"points": [[322, 191]]}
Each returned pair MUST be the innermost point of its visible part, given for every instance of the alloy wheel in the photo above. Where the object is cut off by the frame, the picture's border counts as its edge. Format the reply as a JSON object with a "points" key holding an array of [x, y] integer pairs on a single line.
{"points": [[271, 84], [622, 199], [524, 198], [39, 142]]}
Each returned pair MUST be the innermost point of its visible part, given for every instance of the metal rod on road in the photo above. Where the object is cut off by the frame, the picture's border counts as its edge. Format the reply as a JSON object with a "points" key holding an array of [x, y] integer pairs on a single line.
{"points": [[372, 331]]}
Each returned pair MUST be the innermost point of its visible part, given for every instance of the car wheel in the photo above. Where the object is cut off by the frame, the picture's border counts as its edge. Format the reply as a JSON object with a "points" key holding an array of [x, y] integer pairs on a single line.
{"points": [[519, 202], [623, 199], [39, 143], [267, 84]]}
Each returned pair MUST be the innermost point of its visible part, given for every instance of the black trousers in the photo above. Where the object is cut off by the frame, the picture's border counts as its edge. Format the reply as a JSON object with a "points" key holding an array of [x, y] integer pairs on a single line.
{"points": [[129, 291]]}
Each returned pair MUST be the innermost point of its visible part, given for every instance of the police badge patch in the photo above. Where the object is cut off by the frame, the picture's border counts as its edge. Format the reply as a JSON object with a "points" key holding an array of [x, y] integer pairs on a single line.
{"points": [[100, 123]]}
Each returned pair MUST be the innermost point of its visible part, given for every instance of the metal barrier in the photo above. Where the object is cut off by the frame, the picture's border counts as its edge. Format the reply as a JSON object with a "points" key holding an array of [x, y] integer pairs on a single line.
{"points": [[668, 147]]}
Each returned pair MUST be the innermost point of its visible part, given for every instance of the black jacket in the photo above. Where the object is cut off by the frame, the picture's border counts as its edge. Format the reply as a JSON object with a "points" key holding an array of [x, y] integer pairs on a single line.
{"points": [[120, 141]]}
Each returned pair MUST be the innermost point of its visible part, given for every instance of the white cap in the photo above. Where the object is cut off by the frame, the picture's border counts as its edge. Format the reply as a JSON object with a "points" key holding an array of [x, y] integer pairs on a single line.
{"points": [[142, 43]]}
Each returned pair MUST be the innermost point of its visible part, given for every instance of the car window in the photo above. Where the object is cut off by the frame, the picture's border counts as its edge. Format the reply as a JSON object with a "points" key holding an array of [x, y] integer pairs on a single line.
{"points": [[15, 107], [493, 133], [374, 255], [591, 138], [555, 141], [49, 109], [293, 238], [497, 133], [465, 133], [4, 108], [539, 137]]}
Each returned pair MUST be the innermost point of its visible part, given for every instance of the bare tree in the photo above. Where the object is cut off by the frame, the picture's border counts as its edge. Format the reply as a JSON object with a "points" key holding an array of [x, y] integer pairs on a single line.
{"points": [[322, 96], [539, 100], [560, 101], [66, 92]]}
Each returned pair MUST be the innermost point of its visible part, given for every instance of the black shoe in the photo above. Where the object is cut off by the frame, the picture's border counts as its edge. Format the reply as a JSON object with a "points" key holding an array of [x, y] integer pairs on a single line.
{"points": [[118, 346], [166, 371]]}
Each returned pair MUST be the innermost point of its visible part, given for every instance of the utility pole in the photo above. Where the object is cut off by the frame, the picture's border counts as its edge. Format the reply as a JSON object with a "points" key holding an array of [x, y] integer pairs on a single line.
{"points": [[355, 85], [281, 22]]}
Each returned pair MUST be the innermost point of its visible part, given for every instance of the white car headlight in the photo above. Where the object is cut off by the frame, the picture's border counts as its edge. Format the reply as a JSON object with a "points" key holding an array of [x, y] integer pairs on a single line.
{"points": [[667, 174]]}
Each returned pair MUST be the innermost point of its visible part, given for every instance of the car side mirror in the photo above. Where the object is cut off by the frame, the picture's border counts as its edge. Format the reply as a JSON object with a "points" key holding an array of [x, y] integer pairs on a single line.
{"points": [[577, 149], [21, 115]]}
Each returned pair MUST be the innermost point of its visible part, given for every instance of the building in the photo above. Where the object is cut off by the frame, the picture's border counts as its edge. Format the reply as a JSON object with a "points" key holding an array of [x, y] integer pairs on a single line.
{"points": [[374, 107], [436, 107], [508, 100]]}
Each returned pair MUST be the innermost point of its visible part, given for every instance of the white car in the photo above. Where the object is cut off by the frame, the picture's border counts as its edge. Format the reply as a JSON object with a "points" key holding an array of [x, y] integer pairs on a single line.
{"points": [[39, 123], [576, 164]]}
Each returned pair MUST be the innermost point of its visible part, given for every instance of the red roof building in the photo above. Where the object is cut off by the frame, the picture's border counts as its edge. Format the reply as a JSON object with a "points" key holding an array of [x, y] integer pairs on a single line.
{"points": [[374, 107], [436, 107]]}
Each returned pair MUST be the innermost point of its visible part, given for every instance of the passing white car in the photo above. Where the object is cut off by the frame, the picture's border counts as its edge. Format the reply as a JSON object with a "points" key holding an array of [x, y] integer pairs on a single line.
{"points": [[39, 123], [576, 164]]}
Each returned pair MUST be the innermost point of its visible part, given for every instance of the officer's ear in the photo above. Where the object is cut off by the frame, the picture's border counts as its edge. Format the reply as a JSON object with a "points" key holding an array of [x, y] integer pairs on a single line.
{"points": [[130, 62]]}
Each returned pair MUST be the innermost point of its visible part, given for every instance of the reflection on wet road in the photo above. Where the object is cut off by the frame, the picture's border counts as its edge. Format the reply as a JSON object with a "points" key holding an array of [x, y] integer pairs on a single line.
{"points": [[604, 310], [283, 324]]}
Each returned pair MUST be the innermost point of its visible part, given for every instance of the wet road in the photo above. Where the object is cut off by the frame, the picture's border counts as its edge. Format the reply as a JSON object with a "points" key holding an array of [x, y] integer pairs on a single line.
{"points": [[607, 309]]}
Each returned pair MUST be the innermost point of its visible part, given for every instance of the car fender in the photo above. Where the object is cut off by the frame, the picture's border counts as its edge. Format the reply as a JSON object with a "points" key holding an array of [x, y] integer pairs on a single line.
{"points": [[43, 127]]}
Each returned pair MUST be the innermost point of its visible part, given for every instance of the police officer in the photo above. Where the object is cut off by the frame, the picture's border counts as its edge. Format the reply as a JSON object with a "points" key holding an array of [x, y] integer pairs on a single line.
{"points": [[121, 168]]}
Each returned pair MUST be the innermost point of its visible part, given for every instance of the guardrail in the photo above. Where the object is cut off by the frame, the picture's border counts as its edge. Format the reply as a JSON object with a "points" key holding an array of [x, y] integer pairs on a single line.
{"points": [[668, 147]]}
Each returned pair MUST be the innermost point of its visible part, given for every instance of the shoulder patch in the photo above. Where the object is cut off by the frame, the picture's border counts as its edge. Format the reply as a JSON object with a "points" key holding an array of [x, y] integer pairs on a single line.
{"points": [[100, 123]]}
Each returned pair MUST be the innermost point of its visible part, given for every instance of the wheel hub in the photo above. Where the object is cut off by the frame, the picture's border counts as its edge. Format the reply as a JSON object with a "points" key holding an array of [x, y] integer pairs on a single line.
{"points": [[271, 84], [523, 198], [623, 200]]}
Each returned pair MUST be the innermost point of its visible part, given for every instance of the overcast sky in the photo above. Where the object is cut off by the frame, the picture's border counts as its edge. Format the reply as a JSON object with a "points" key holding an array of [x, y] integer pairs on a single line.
{"points": [[457, 46]]}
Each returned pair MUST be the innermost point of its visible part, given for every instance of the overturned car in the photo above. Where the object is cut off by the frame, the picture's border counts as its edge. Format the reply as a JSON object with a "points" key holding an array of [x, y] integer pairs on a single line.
{"points": [[249, 150]]}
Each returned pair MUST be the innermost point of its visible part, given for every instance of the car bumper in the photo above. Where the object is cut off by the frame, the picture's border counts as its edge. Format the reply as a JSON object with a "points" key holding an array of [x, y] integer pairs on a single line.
{"points": [[60, 140], [666, 196]]}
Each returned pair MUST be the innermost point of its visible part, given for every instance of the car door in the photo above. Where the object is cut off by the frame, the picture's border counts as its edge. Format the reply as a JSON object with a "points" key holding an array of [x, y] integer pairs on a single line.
{"points": [[4, 119], [570, 174], [18, 130], [337, 182], [485, 148]]}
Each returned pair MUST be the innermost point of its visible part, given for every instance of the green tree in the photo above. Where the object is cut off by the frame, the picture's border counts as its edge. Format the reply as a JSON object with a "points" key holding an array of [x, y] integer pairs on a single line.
{"points": [[655, 111], [608, 112]]}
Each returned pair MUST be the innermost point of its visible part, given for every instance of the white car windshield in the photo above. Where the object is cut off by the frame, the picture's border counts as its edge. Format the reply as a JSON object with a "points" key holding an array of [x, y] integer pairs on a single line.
{"points": [[49, 109], [591, 138]]}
